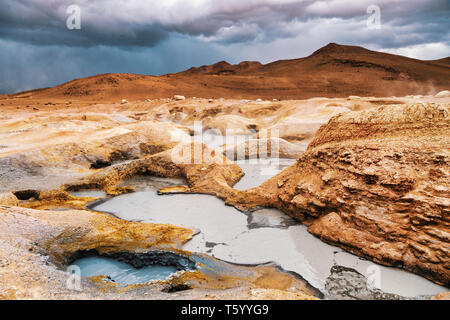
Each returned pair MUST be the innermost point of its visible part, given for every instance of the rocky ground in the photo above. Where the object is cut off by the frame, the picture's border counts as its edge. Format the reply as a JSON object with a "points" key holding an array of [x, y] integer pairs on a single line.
{"points": [[376, 183], [38, 245], [373, 180]]}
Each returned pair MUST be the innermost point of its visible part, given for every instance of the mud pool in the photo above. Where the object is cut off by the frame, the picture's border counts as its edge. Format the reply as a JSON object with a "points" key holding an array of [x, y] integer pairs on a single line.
{"points": [[261, 236], [122, 273], [258, 171], [89, 193]]}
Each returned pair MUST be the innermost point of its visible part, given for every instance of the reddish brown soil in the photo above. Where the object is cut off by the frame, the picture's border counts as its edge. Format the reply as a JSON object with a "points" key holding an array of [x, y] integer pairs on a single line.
{"points": [[332, 71]]}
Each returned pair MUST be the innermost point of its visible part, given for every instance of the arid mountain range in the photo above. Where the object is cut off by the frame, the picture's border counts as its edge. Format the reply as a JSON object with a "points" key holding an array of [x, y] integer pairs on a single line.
{"points": [[332, 71]]}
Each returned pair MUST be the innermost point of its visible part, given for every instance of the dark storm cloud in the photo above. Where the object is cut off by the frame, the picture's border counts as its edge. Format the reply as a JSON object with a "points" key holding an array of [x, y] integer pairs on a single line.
{"points": [[27, 66], [161, 36], [147, 23], [44, 23]]}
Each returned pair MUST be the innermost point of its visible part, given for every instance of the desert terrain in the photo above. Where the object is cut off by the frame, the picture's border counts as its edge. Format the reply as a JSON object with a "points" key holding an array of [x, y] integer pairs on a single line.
{"points": [[334, 71], [343, 154]]}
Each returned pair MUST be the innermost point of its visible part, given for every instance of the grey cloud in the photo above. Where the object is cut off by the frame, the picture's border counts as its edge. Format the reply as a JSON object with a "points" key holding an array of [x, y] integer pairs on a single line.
{"points": [[138, 23], [41, 22]]}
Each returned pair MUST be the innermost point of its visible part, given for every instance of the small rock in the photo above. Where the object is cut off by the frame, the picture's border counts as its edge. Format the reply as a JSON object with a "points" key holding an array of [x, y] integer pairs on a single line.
{"points": [[124, 101], [179, 98], [443, 94]]}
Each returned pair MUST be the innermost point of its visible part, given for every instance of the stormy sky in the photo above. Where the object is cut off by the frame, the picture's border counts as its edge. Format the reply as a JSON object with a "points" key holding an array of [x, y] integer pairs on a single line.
{"points": [[163, 36]]}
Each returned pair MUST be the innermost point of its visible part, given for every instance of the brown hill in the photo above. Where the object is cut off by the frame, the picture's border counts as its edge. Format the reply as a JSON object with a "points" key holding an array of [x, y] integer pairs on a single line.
{"points": [[332, 71]]}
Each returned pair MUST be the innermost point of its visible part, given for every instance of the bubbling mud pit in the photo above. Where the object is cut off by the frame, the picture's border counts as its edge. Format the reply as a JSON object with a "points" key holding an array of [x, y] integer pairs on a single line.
{"points": [[263, 235], [258, 237], [346, 189], [123, 273], [178, 271], [131, 269]]}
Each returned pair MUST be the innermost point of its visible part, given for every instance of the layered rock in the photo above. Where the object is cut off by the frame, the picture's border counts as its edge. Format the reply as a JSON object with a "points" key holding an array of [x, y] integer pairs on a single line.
{"points": [[376, 183], [37, 246], [205, 171], [82, 152], [104, 158]]}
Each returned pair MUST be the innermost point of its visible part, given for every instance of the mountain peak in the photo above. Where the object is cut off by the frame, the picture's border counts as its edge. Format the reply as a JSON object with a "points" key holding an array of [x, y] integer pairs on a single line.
{"points": [[333, 48], [333, 45], [222, 63], [334, 70]]}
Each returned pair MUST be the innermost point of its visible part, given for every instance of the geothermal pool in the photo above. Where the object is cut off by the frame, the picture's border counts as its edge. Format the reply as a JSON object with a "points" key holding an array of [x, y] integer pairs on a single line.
{"points": [[258, 237], [122, 273], [261, 236]]}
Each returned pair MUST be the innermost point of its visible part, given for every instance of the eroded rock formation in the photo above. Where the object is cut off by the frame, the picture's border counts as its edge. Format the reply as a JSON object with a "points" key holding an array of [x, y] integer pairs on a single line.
{"points": [[36, 247], [376, 183]]}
